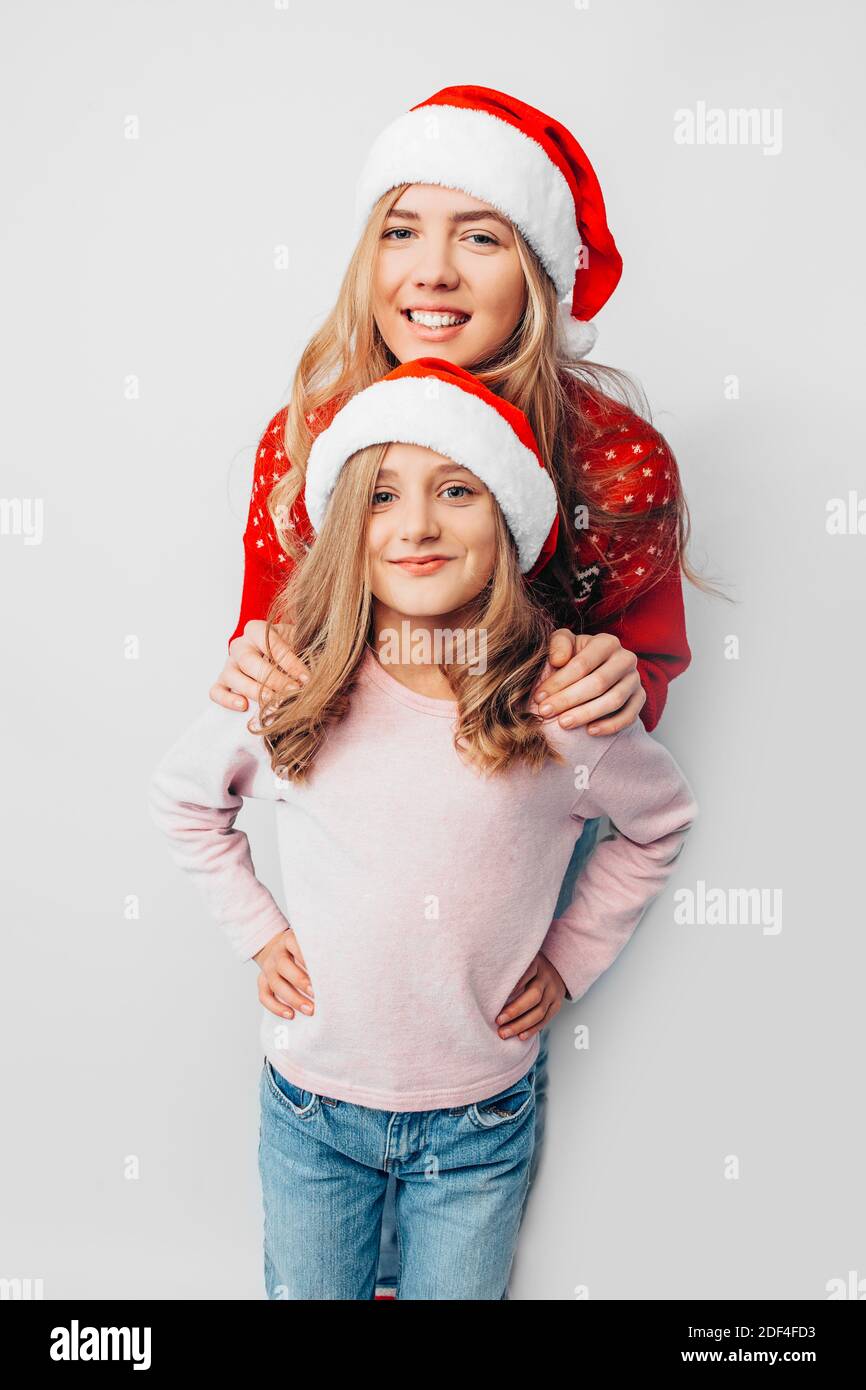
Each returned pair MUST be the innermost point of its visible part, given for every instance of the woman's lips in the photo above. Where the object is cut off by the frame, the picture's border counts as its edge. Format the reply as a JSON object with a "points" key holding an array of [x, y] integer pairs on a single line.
{"points": [[433, 335], [422, 566]]}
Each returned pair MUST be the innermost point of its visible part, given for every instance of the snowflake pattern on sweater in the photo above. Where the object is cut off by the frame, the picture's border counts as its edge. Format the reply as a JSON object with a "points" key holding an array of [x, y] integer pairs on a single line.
{"points": [[271, 465], [629, 471]]}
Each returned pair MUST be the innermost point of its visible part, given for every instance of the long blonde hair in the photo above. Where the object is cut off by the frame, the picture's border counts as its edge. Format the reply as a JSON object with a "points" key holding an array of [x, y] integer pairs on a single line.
{"points": [[329, 597]]}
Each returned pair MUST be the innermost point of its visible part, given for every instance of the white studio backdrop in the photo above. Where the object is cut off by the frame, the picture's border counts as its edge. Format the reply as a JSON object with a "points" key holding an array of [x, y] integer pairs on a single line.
{"points": [[178, 198]]}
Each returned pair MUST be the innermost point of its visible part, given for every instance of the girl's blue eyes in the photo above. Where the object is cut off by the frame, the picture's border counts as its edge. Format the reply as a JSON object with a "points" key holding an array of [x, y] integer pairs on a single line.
{"points": [[452, 487], [487, 238]]}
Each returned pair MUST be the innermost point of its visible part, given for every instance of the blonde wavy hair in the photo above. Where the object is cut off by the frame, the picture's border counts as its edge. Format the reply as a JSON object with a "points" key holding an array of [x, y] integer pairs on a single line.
{"points": [[531, 369], [330, 600]]}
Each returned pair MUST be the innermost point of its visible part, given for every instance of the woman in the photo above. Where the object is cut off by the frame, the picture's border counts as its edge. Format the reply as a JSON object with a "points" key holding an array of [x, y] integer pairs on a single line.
{"points": [[478, 215]]}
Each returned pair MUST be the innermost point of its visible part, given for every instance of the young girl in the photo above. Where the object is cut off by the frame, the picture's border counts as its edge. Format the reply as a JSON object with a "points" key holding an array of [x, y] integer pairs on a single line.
{"points": [[478, 203], [426, 818]]}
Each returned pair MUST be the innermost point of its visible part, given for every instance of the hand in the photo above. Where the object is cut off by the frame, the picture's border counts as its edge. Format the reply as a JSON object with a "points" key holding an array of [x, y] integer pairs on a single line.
{"points": [[238, 682], [597, 677], [284, 982], [539, 995]]}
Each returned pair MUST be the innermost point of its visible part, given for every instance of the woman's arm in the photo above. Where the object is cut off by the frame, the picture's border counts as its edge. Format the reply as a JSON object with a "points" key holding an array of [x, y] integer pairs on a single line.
{"points": [[591, 675], [635, 611], [653, 626], [265, 565], [266, 569]]}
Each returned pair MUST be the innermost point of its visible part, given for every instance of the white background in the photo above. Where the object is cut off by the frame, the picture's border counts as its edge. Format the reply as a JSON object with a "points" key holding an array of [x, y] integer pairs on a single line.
{"points": [[154, 258]]}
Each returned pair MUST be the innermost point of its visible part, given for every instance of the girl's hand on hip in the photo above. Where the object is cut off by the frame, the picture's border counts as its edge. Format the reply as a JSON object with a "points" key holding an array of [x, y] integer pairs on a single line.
{"points": [[595, 676], [238, 682], [538, 998], [284, 984]]}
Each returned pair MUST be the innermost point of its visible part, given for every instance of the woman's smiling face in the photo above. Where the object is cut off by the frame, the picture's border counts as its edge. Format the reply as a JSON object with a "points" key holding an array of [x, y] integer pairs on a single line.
{"points": [[431, 536], [445, 253]]}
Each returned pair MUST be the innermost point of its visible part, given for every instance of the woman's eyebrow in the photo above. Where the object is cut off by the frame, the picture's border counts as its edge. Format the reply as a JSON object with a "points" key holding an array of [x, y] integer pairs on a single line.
{"points": [[386, 473], [473, 215]]}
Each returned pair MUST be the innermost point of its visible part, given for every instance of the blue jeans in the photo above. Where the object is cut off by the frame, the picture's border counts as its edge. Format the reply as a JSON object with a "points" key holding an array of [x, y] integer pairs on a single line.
{"points": [[461, 1175], [389, 1254]]}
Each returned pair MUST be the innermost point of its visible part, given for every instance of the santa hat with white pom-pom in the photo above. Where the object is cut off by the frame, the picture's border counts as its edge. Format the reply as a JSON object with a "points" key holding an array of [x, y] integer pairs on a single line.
{"points": [[526, 165]]}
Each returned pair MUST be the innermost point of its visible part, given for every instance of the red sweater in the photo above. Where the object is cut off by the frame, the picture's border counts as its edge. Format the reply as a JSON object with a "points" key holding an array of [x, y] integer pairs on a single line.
{"points": [[620, 595]]}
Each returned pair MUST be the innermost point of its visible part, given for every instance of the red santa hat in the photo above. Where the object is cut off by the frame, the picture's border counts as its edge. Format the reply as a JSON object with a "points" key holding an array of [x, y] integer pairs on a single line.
{"points": [[432, 402], [523, 163]]}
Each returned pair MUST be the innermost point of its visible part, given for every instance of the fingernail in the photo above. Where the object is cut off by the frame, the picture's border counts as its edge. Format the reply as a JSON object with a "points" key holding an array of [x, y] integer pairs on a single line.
{"points": [[238, 704], [307, 1008], [542, 695], [287, 1013], [545, 709], [304, 678]]}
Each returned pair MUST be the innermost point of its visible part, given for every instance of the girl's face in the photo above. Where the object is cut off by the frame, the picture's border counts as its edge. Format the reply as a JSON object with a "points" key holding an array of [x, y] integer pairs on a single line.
{"points": [[431, 535], [443, 252]]}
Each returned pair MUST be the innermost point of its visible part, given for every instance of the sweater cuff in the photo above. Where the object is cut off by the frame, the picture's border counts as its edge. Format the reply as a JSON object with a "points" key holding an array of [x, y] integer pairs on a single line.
{"points": [[558, 947], [246, 947], [656, 688]]}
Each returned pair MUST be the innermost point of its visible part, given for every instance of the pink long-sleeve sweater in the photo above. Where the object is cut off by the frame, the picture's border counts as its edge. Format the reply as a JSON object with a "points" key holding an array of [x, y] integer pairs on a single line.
{"points": [[418, 887]]}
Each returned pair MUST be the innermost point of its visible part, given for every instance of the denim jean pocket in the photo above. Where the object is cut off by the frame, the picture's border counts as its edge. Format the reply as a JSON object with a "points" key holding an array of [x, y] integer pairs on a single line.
{"points": [[507, 1105], [301, 1103]]}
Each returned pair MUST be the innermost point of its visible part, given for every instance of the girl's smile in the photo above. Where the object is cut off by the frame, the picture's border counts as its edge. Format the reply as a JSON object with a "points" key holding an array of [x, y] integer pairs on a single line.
{"points": [[421, 498], [422, 564]]}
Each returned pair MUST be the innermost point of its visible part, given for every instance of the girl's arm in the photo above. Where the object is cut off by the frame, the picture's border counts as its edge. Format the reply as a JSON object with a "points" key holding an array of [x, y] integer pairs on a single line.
{"points": [[651, 806], [195, 795]]}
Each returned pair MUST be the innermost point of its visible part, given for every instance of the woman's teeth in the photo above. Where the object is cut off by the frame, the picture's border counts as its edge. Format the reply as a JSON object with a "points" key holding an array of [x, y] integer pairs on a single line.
{"points": [[435, 320]]}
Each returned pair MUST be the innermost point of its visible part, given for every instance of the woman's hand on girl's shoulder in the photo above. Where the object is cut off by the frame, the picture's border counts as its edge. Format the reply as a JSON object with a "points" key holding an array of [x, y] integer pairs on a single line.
{"points": [[248, 665], [594, 681]]}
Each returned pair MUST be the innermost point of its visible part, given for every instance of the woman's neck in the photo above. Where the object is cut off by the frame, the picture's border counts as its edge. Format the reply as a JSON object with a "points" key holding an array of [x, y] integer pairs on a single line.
{"points": [[411, 648]]}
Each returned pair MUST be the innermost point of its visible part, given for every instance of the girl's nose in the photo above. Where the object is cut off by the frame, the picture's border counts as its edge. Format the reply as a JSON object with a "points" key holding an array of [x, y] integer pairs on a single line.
{"points": [[434, 267], [418, 521]]}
